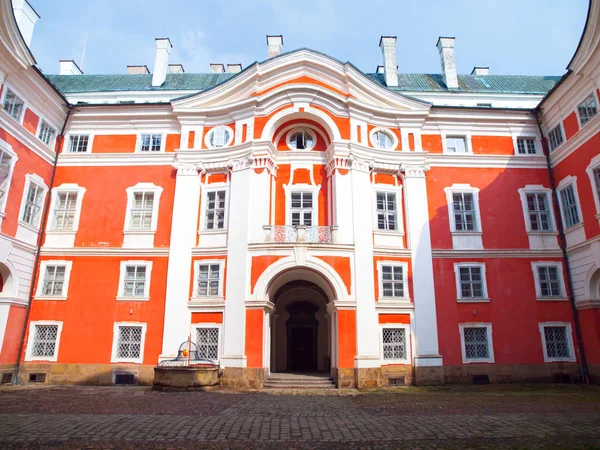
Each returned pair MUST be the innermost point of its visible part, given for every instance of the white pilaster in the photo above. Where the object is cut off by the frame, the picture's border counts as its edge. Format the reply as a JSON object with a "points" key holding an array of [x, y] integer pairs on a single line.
{"points": [[341, 195], [419, 240], [183, 237]]}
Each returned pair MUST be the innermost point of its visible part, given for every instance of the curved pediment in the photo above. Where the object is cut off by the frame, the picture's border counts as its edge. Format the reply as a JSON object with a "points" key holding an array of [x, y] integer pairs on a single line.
{"points": [[13, 47]]}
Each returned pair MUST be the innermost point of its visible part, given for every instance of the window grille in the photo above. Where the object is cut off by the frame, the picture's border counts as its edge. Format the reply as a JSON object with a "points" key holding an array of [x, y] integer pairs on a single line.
{"points": [[64, 211], [33, 204], [555, 137], [569, 206], [557, 345], [476, 343], [141, 210], [394, 343], [44, 340], [382, 140], [464, 211], [151, 142], [301, 140], [6, 162], [596, 173], [78, 143], [526, 146], [13, 105], [587, 109], [215, 210], [129, 342], [302, 208], [209, 277], [471, 282], [392, 281], [549, 281], [135, 281], [219, 137], [456, 144], [207, 340], [386, 211], [538, 208], [54, 280], [47, 133]]}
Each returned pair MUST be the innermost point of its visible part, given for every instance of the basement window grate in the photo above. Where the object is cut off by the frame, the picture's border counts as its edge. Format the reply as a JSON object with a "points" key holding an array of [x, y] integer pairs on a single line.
{"points": [[124, 378], [561, 378], [37, 377], [480, 379], [396, 381], [7, 378]]}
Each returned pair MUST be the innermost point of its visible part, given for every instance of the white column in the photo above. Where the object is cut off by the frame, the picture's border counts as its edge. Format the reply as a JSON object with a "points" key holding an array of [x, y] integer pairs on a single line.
{"points": [[419, 241], [364, 292], [183, 239], [341, 195]]}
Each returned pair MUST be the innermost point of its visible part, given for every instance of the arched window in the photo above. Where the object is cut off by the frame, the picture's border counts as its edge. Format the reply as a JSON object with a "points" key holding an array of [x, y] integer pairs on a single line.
{"points": [[301, 139]]}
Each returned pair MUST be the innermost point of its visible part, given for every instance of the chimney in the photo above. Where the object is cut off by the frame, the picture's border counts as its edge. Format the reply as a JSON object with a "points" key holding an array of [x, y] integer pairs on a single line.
{"points": [[161, 61], [445, 46], [480, 71], [275, 42], [234, 68], [137, 70], [390, 68], [26, 18], [217, 68], [69, 67], [380, 69], [176, 68]]}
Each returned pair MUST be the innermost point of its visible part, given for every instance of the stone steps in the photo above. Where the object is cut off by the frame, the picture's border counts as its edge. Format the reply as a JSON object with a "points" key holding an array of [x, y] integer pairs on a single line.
{"points": [[298, 381]]}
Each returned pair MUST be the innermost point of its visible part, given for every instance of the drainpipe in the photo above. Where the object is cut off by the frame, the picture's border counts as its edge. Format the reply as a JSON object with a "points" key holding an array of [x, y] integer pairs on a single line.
{"points": [[59, 144], [563, 246]]}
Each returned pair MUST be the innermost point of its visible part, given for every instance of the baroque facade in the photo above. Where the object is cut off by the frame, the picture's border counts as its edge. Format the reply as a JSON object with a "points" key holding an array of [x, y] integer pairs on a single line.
{"points": [[299, 215]]}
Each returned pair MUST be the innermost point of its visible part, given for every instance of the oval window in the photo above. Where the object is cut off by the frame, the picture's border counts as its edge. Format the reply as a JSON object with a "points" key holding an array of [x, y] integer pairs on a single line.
{"points": [[382, 140], [219, 137], [301, 140]]}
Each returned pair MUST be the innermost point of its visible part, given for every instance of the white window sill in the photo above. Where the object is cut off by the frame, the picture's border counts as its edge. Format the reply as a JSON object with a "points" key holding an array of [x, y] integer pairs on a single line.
{"points": [[139, 232], [394, 300], [552, 299], [466, 233], [574, 227], [50, 297], [68, 152], [552, 360], [542, 233], [128, 361], [133, 299], [396, 362], [42, 359], [206, 298], [478, 361], [217, 231], [388, 232], [28, 226], [473, 300], [63, 231]]}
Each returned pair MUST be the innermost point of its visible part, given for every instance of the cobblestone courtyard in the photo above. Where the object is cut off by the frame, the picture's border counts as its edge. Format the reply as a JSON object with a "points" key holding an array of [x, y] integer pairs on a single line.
{"points": [[444, 417]]}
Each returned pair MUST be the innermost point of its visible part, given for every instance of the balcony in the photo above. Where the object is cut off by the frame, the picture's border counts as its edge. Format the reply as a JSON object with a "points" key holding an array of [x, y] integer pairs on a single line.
{"points": [[300, 234]]}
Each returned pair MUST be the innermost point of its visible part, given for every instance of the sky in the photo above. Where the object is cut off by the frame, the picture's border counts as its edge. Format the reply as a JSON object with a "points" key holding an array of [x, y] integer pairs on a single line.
{"points": [[515, 37]]}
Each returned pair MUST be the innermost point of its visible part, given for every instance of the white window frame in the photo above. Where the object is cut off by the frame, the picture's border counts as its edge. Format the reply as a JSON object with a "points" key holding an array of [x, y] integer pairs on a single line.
{"points": [[595, 98], [571, 358], [131, 191], [389, 133], [537, 189], [463, 189], [163, 141], [484, 288], [36, 179], [535, 265], [32, 325], [39, 293], [212, 131], [65, 188], [304, 188], [407, 336], [21, 97], [211, 325], [564, 183], [206, 262], [536, 143], [404, 266], [113, 357], [52, 142], [290, 133], [488, 327], [67, 144], [6, 147], [562, 134], [397, 191], [122, 274], [594, 164], [465, 136], [203, 206]]}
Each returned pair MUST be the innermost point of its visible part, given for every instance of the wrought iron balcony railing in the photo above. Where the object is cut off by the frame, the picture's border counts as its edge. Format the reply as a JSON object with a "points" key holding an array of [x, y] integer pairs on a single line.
{"points": [[300, 233]]}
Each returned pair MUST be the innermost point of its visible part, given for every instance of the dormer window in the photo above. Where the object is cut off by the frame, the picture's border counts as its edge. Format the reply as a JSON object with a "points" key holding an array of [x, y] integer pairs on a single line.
{"points": [[301, 140], [219, 137]]}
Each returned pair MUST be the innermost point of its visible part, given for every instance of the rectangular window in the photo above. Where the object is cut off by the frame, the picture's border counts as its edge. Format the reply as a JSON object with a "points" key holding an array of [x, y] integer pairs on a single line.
{"points": [[471, 282], [47, 133], [394, 343], [6, 163], [44, 341], [135, 281], [392, 281], [549, 280], [129, 342], [464, 211], [33, 204], [456, 144], [569, 206], [141, 210], [526, 146], [555, 137], [556, 342], [54, 280], [209, 279], [207, 340], [596, 172], [386, 211], [151, 142], [64, 210], [13, 105], [78, 143], [587, 109], [476, 343], [302, 208], [215, 210], [538, 208]]}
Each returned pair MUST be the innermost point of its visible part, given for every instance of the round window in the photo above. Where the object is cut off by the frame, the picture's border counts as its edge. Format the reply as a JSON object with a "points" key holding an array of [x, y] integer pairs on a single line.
{"points": [[219, 137], [301, 140], [382, 140]]}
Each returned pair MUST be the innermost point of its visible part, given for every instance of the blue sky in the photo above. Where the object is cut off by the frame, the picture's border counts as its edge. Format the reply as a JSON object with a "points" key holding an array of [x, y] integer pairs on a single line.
{"points": [[518, 37]]}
